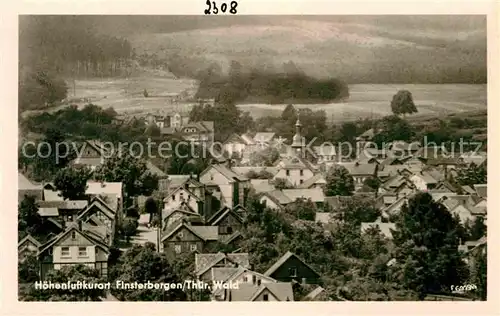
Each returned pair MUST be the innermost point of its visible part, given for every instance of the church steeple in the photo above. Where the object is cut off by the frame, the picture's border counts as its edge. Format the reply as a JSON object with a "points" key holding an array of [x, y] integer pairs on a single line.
{"points": [[297, 142]]}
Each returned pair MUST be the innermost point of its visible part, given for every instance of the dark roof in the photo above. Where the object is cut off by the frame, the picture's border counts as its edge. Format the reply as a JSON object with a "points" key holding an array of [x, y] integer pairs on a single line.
{"points": [[220, 214], [284, 259]]}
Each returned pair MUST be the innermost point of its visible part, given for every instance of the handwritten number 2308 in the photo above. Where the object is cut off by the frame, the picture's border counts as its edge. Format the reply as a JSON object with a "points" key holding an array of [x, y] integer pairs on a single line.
{"points": [[212, 7]]}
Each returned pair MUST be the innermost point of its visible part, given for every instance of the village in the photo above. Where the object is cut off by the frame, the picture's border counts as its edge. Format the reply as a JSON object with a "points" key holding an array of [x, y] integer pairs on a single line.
{"points": [[197, 213]]}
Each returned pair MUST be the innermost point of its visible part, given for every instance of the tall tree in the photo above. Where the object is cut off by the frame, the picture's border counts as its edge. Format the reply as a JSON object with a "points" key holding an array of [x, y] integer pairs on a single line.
{"points": [[142, 264], [473, 174], [402, 103], [72, 182], [29, 221], [72, 273], [338, 182], [131, 171], [426, 243]]}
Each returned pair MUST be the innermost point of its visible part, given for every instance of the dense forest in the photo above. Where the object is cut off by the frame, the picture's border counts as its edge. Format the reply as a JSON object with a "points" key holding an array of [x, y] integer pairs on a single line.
{"points": [[254, 85], [52, 48]]}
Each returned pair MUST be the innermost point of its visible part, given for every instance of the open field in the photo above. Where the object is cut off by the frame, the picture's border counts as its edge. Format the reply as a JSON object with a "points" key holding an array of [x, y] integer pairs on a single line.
{"points": [[374, 101], [432, 100]]}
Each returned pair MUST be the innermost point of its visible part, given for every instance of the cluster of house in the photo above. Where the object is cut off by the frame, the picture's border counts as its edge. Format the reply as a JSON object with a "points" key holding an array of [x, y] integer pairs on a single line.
{"points": [[209, 208], [77, 231], [178, 123]]}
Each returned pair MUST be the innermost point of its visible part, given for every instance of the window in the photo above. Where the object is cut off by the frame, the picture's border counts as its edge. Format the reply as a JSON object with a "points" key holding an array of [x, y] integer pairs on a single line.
{"points": [[173, 197], [301, 181], [258, 282], [65, 252], [181, 196], [73, 235], [245, 279], [211, 177], [82, 251], [177, 248], [50, 251], [254, 279], [70, 218], [265, 297], [301, 172], [292, 272], [194, 247], [229, 230], [180, 235], [288, 172]]}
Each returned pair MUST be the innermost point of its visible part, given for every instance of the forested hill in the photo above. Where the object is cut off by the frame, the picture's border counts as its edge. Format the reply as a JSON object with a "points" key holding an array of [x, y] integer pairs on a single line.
{"points": [[54, 48], [69, 45]]}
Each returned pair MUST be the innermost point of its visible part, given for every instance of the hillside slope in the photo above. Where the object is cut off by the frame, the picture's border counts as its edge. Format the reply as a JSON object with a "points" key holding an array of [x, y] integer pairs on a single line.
{"points": [[356, 52]]}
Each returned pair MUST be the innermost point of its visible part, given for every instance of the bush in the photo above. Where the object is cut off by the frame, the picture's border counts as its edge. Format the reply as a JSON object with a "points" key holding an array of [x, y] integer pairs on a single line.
{"points": [[130, 227]]}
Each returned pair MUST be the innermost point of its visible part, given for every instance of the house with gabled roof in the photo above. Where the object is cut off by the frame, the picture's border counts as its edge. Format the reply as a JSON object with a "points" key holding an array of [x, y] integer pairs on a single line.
{"points": [[463, 207], [276, 199], [27, 245], [100, 214], [395, 207], [295, 170], [360, 172], [236, 145], [424, 181], [233, 187], [110, 192], [318, 294], [228, 221], [62, 210], [183, 212], [266, 292], [204, 262], [91, 154], [316, 181], [74, 246], [184, 237], [183, 195], [198, 132], [290, 268]]}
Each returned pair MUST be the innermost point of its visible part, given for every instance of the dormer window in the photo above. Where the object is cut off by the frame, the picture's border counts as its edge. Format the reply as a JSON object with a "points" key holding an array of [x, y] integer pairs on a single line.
{"points": [[265, 297]]}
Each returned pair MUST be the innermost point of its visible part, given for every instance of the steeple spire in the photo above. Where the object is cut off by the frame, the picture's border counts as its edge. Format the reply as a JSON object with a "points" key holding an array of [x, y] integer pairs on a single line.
{"points": [[297, 142]]}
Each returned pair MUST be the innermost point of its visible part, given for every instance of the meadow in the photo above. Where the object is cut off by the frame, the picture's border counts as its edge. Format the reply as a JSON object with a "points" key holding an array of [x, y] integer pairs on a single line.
{"points": [[126, 97]]}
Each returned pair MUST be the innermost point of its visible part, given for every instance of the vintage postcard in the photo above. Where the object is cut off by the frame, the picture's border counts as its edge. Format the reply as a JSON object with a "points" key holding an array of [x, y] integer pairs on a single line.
{"points": [[225, 155]]}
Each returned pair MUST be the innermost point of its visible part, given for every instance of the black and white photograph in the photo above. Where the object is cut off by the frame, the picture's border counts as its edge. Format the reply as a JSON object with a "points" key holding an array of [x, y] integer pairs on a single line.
{"points": [[252, 158]]}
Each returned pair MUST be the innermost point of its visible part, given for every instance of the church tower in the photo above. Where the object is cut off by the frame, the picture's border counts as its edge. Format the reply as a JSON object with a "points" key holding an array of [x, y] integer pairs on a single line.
{"points": [[298, 140]]}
